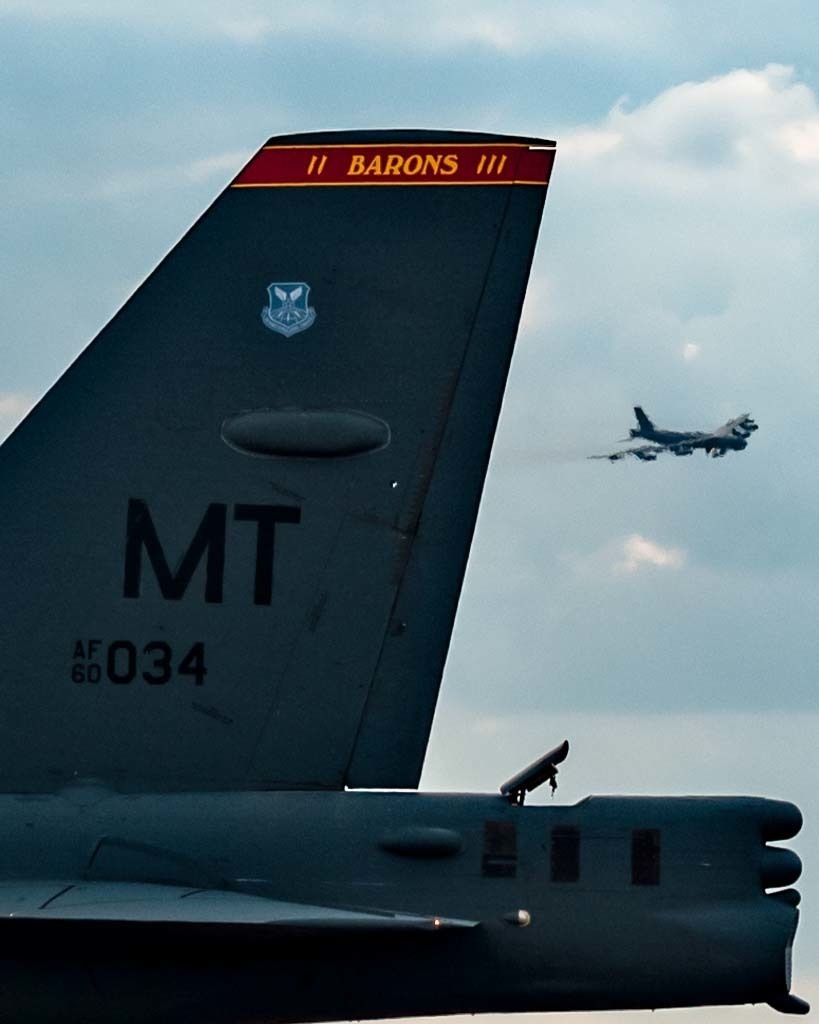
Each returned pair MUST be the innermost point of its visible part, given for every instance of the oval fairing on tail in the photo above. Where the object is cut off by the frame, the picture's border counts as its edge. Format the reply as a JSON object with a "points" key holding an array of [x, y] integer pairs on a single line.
{"points": [[305, 433]]}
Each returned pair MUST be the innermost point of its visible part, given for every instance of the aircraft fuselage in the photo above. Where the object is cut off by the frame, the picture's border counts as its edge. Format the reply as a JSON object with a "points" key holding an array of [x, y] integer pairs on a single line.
{"points": [[660, 436], [685, 442], [634, 902]]}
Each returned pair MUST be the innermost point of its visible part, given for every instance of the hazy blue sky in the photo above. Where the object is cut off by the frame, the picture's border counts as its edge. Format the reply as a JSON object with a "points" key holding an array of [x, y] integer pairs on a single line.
{"points": [[663, 616]]}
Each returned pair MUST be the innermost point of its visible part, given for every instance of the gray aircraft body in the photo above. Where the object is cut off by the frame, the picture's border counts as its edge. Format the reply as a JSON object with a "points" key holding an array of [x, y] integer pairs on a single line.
{"points": [[731, 436], [233, 539]]}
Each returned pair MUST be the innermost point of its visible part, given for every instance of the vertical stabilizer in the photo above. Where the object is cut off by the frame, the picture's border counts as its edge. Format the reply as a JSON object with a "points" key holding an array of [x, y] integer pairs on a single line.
{"points": [[234, 533]]}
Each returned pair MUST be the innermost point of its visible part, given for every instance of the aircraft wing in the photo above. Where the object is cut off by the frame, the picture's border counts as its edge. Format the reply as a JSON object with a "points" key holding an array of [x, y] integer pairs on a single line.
{"points": [[644, 452], [141, 902], [739, 426], [233, 535]]}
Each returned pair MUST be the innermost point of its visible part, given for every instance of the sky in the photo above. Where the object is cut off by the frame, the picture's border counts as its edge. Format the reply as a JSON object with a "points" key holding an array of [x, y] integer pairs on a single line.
{"points": [[661, 616]]}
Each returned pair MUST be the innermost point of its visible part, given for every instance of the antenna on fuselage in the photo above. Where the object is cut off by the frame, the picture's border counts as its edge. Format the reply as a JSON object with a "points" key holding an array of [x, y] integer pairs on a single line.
{"points": [[540, 771]]}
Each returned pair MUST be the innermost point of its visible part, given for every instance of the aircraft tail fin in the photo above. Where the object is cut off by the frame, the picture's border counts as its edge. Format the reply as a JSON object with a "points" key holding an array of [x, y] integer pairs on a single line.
{"points": [[642, 419], [233, 534]]}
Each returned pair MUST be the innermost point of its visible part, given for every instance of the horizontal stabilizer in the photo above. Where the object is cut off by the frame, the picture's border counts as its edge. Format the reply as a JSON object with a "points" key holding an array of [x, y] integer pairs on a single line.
{"points": [[169, 904]]}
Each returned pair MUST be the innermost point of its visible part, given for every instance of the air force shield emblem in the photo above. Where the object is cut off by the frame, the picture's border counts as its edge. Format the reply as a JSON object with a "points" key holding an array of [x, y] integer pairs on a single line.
{"points": [[287, 312]]}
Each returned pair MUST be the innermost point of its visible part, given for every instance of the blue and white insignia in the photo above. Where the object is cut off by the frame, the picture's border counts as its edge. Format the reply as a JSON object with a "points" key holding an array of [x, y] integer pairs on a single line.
{"points": [[287, 312]]}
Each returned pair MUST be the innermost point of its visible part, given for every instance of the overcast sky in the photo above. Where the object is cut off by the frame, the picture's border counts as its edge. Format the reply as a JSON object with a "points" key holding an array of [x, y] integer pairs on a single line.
{"points": [[662, 616]]}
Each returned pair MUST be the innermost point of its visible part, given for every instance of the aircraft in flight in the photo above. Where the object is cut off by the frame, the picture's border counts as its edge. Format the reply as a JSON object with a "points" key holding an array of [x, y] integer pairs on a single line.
{"points": [[731, 436], [233, 538]]}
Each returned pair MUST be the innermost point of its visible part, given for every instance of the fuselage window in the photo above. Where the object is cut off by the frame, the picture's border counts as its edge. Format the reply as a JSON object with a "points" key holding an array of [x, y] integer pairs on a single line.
{"points": [[645, 856], [500, 849], [565, 853]]}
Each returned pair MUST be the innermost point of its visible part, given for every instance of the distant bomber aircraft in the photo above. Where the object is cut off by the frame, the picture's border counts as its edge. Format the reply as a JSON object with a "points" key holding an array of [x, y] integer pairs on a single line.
{"points": [[232, 540], [732, 436]]}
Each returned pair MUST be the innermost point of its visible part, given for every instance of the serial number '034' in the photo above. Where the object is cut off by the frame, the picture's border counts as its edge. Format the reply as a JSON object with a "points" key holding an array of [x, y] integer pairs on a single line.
{"points": [[122, 662]]}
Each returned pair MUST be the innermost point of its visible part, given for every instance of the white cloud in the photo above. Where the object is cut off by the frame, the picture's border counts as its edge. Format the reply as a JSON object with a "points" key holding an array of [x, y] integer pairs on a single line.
{"points": [[589, 144], [13, 407], [627, 556], [528, 26], [801, 139], [639, 552], [761, 124], [694, 227]]}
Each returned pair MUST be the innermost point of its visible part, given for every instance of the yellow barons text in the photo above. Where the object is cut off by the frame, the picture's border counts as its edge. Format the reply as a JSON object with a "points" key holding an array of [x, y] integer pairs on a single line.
{"points": [[399, 165]]}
